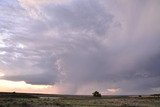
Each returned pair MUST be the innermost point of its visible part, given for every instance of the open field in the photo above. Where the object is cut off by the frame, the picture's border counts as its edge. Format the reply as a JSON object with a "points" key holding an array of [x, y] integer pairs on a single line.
{"points": [[47, 100]]}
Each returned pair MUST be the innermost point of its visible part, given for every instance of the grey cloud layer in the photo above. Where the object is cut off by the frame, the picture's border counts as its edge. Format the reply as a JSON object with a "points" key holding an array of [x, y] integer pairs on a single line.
{"points": [[85, 42]]}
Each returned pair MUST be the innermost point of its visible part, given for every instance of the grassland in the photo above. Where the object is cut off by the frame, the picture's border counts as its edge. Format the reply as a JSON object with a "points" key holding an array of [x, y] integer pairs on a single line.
{"points": [[39, 100]]}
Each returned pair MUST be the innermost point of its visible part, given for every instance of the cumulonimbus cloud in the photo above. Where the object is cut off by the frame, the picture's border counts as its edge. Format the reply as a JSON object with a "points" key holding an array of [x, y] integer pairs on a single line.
{"points": [[101, 44]]}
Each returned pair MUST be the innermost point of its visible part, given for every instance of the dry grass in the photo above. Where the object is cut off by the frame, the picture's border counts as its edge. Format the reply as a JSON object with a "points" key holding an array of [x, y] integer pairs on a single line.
{"points": [[81, 102]]}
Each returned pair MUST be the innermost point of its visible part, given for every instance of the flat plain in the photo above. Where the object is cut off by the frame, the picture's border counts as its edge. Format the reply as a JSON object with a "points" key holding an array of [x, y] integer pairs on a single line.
{"points": [[48, 100]]}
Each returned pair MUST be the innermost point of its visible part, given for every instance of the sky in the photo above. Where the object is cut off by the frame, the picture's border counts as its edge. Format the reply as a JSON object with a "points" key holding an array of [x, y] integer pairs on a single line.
{"points": [[79, 46]]}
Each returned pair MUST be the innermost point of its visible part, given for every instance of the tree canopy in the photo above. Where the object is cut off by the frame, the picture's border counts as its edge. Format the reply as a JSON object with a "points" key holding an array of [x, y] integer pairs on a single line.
{"points": [[96, 94]]}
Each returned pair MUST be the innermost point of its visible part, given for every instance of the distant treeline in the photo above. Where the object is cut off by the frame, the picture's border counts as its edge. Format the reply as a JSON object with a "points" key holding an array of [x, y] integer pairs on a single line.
{"points": [[155, 95], [17, 95]]}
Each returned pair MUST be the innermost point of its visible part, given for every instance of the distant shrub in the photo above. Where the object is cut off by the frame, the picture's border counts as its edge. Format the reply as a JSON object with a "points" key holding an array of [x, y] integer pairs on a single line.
{"points": [[155, 95], [139, 96], [96, 94]]}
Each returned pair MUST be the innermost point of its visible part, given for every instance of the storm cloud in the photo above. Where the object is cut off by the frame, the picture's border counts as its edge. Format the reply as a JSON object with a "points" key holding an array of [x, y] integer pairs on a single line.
{"points": [[104, 45]]}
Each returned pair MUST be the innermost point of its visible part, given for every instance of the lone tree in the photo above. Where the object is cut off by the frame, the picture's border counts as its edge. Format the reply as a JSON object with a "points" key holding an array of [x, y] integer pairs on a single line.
{"points": [[96, 94]]}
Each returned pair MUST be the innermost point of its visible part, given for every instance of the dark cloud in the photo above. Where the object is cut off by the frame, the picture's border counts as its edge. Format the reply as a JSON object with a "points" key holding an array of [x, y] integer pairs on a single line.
{"points": [[85, 42], [84, 16]]}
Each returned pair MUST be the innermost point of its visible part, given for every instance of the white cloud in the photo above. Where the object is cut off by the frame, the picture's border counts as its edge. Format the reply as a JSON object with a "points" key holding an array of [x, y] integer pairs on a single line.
{"points": [[112, 90], [34, 9], [1, 74]]}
